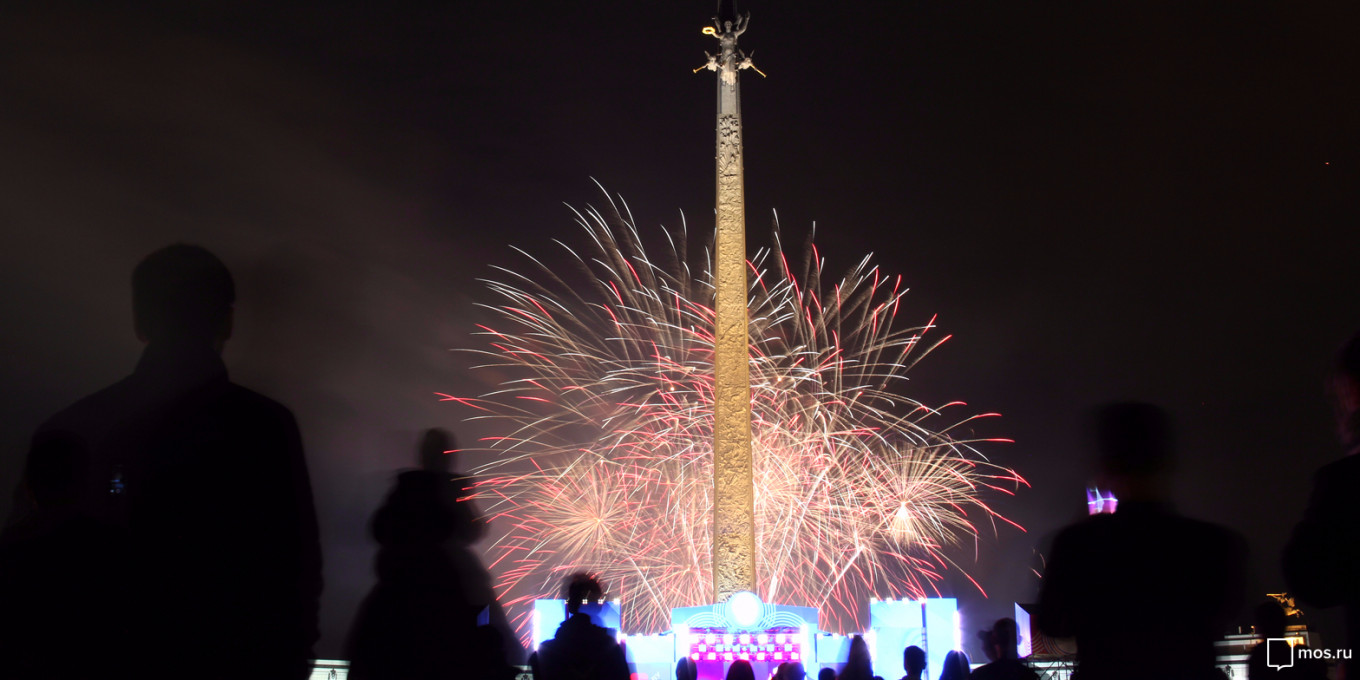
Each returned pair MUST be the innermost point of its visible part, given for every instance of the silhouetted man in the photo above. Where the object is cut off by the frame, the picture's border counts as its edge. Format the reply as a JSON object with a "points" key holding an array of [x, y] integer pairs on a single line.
{"points": [[581, 650], [1322, 559], [1144, 590], [914, 661], [209, 482], [1002, 642]]}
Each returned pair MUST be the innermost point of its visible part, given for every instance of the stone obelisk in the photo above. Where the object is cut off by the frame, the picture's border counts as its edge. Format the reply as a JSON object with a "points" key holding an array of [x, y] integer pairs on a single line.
{"points": [[734, 540]]}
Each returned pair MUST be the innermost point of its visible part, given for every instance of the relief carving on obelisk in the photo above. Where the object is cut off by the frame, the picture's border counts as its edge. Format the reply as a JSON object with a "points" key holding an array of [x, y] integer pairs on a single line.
{"points": [[730, 192]]}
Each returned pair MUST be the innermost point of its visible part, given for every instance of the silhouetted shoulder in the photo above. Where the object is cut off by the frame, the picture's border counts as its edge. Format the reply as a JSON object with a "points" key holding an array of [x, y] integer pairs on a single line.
{"points": [[1004, 669], [1096, 562], [1338, 479], [265, 409], [1324, 550], [97, 412], [1160, 523], [1209, 534]]}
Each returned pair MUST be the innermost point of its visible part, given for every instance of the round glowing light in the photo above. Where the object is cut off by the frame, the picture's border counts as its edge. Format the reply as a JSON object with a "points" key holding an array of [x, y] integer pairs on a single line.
{"points": [[744, 608]]}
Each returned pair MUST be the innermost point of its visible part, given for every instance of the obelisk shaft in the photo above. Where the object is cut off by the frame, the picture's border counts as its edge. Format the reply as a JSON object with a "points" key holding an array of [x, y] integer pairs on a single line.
{"points": [[734, 541]]}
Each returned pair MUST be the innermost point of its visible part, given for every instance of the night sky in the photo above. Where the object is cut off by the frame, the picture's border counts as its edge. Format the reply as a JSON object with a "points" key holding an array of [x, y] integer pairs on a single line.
{"points": [[1115, 200]]}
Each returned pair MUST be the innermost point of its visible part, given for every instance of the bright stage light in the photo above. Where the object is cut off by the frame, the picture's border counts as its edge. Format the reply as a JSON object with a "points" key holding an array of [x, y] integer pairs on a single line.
{"points": [[744, 609]]}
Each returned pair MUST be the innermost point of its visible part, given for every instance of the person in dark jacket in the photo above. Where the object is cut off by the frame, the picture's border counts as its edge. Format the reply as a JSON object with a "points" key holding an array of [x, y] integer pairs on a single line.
{"points": [[1143, 587], [1002, 648], [1322, 558], [914, 662], [209, 482], [581, 650]]}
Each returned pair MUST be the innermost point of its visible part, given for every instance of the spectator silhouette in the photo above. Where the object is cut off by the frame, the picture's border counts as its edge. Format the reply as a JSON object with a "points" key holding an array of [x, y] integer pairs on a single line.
{"points": [[208, 480], [914, 661], [741, 670], [1322, 558], [986, 639], [438, 457], [826, 674], [419, 620], [858, 664], [955, 666], [50, 598], [686, 669], [1143, 585], [487, 656], [581, 650], [1002, 641]]}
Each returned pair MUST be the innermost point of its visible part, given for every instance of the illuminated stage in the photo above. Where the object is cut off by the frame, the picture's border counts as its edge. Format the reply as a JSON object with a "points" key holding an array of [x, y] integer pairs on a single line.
{"points": [[770, 634]]}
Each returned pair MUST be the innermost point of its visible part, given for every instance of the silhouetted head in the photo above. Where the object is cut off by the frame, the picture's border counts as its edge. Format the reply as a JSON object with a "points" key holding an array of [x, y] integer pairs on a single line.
{"points": [[859, 649], [1345, 387], [914, 660], [955, 666], [433, 450], [741, 670], [686, 669], [1136, 453], [1006, 638], [182, 294], [581, 587], [858, 664], [56, 469], [988, 644], [795, 671], [1271, 619], [826, 674]]}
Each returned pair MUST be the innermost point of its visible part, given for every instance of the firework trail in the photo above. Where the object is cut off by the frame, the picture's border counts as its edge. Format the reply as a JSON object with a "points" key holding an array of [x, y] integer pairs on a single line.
{"points": [[605, 405]]}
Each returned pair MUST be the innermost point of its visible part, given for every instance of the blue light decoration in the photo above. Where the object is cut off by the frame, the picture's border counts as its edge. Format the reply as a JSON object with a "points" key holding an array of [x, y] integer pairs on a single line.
{"points": [[1022, 624], [1099, 502], [942, 630], [895, 625]]}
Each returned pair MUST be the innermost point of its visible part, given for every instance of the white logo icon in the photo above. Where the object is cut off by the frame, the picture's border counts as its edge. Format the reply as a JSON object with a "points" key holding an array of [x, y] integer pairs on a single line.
{"points": [[1279, 653]]}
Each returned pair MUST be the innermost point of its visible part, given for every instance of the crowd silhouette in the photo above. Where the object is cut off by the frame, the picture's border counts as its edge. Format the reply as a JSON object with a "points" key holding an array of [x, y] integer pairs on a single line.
{"points": [[128, 544]]}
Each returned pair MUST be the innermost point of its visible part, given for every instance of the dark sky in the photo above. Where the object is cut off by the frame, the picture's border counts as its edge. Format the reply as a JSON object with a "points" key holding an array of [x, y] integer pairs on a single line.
{"points": [[1151, 200]]}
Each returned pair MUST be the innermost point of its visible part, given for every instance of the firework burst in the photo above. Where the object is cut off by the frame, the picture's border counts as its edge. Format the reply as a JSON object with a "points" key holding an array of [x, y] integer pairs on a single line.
{"points": [[606, 409]]}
